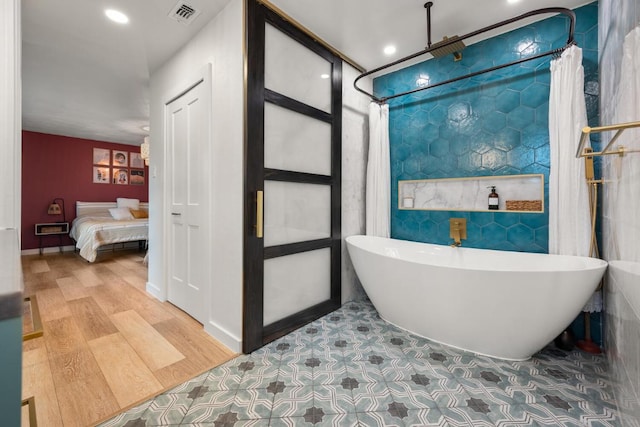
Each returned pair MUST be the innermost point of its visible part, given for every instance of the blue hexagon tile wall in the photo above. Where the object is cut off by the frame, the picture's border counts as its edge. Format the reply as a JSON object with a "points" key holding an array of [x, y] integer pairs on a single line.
{"points": [[492, 124]]}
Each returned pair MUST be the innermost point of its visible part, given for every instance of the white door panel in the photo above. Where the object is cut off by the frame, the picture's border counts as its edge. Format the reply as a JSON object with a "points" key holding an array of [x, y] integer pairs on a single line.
{"points": [[188, 139]]}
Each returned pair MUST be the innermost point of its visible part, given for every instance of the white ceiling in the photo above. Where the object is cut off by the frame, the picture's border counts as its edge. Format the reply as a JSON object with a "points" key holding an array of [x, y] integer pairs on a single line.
{"points": [[86, 77]]}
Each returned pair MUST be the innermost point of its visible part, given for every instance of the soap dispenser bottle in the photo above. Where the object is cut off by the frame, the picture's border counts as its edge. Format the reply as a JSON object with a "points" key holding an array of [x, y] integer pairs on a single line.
{"points": [[494, 199]]}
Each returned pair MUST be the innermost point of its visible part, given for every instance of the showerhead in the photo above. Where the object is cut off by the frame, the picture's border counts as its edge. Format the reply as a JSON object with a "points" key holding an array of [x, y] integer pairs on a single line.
{"points": [[454, 48]]}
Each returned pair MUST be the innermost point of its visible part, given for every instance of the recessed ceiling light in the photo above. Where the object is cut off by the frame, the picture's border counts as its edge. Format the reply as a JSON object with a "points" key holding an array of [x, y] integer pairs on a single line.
{"points": [[116, 16], [513, 1], [324, 76], [390, 50]]}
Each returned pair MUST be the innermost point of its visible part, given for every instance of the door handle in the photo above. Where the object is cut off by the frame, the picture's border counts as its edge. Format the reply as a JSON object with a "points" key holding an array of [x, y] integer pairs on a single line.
{"points": [[176, 213], [259, 213]]}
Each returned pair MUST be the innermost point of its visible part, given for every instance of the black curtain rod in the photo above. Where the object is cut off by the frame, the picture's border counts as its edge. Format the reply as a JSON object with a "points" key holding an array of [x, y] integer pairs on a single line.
{"points": [[558, 10]]}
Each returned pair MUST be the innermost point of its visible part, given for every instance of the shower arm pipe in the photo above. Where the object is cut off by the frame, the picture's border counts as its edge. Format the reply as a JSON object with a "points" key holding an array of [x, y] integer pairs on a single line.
{"points": [[428, 6], [586, 131], [557, 10]]}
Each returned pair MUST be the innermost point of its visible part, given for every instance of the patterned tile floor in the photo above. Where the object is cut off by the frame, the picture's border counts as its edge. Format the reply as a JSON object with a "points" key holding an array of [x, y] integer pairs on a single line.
{"points": [[350, 368]]}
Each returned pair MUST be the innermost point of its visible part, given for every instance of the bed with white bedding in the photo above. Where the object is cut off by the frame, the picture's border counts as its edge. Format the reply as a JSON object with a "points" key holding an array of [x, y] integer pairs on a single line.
{"points": [[95, 226]]}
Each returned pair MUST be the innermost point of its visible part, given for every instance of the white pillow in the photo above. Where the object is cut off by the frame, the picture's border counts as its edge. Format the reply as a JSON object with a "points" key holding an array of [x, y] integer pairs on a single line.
{"points": [[128, 203], [120, 213]]}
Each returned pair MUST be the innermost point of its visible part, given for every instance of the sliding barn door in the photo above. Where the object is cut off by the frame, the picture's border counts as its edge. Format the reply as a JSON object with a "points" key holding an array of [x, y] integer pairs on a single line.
{"points": [[292, 215]]}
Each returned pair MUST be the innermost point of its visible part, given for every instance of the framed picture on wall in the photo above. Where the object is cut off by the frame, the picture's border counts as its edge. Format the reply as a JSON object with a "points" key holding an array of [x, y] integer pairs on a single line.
{"points": [[135, 161], [121, 176], [101, 175], [137, 177], [101, 156], [120, 158]]}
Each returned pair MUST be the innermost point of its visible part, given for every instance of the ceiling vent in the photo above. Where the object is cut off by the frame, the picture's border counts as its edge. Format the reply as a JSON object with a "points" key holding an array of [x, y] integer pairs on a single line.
{"points": [[184, 13]]}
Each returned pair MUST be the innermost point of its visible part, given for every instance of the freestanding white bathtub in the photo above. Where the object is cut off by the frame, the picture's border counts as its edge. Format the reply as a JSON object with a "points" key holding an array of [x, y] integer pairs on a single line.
{"points": [[507, 305]]}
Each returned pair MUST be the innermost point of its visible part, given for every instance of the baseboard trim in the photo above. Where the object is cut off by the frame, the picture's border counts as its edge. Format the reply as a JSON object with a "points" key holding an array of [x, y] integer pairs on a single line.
{"points": [[48, 250], [224, 336], [155, 291]]}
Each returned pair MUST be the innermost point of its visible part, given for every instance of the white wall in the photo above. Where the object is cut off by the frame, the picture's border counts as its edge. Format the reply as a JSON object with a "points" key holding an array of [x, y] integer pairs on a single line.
{"points": [[221, 44], [10, 114], [620, 220], [10, 161], [355, 136]]}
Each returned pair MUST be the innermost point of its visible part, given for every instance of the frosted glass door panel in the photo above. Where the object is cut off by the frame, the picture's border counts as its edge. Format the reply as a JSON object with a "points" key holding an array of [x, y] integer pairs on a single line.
{"points": [[295, 142], [295, 282], [295, 212], [295, 71]]}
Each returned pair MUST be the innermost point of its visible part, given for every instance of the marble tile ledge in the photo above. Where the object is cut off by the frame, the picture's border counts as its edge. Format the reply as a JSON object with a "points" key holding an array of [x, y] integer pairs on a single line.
{"points": [[469, 193]]}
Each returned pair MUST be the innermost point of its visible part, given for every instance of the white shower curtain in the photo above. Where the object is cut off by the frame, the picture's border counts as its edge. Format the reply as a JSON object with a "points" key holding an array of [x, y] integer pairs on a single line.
{"points": [[628, 108], [622, 206], [569, 222], [378, 172]]}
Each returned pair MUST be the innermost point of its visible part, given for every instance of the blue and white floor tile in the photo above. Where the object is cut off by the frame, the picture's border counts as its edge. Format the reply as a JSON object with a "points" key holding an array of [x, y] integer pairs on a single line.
{"points": [[350, 368]]}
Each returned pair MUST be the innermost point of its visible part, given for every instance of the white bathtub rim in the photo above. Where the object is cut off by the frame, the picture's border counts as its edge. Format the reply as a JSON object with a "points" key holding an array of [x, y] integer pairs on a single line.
{"points": [[594, 263], [510, 359]]}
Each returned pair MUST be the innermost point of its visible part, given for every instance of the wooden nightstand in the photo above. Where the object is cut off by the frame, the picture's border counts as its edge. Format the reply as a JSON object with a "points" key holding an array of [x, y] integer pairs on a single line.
{"points": [[50, 229]]}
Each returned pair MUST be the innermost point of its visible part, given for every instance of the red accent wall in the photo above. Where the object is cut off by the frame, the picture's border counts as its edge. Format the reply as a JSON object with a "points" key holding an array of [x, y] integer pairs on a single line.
{"points": [[60, 166]]}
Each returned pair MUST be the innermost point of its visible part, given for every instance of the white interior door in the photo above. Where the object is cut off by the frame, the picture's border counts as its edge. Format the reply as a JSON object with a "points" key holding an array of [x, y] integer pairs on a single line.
{"points": [[188, 136]]}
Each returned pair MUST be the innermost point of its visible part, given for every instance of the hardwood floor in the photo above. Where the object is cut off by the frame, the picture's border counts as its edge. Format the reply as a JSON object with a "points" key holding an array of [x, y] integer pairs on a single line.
{"points": [[107, 345]]}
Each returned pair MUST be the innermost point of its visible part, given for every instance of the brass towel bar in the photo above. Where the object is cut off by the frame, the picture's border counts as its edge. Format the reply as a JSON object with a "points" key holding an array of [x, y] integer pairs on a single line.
{"points": [[606, 151]]}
